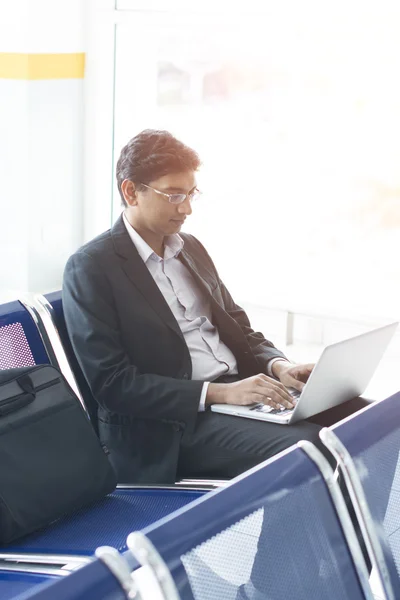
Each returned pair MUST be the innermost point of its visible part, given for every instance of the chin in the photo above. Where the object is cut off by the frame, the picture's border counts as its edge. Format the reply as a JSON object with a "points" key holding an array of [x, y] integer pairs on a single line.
{"points": [[176, 225]]}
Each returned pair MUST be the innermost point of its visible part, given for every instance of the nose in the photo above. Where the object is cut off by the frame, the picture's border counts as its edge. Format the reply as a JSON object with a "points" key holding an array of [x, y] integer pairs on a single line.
{"points": [[185, 208]]}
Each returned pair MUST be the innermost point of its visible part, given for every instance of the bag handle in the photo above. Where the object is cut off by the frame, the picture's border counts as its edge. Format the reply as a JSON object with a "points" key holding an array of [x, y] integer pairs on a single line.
{"points": [[13, 404]]}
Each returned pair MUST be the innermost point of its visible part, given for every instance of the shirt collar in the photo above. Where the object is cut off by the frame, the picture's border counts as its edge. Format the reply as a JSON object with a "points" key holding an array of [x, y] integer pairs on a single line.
{"points": [[173, 244]]}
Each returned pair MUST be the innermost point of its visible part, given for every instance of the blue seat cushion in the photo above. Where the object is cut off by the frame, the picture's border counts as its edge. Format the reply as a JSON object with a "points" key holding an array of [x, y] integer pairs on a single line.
{"points": [[107, 522]]}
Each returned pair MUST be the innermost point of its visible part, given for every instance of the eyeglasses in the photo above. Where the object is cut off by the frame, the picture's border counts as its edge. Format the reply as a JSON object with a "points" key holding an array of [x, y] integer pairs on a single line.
{"points": [[177, 198]]}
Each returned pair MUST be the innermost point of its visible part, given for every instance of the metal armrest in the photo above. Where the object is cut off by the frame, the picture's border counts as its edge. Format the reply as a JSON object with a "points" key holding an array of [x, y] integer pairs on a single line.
{"points": [[41, 312], [183, 484], [44, 564], [202, 483]]}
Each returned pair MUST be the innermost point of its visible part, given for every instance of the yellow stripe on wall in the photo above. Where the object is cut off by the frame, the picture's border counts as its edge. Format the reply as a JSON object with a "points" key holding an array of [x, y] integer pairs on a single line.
{"points": [[42, 66]]}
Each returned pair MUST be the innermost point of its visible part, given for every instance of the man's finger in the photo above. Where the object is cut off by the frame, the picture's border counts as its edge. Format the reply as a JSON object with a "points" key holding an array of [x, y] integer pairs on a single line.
{"points": [[291, 381], [304, 369], [276, 391], [268, 382], [278, 397], [260, 398], [309, 366], [301, 372]]}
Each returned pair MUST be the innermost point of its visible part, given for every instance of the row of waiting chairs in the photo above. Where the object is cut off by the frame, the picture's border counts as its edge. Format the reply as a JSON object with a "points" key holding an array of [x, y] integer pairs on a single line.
{"points": [[210, 545], [208, 549]]}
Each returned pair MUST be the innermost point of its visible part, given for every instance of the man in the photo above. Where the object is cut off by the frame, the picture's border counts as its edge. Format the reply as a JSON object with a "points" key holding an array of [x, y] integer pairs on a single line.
{"points": [[160, 339]]}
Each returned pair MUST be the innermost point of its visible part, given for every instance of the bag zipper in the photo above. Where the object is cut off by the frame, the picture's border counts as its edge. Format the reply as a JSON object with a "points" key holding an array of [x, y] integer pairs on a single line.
{"points": [[39, 388], [30, 370]]}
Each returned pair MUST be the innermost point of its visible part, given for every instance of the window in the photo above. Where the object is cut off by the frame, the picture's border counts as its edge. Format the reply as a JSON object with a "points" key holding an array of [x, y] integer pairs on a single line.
{"points": [[295, 114]]}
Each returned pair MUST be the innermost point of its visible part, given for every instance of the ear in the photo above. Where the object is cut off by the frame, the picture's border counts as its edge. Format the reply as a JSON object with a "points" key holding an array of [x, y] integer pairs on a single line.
{"points": [[129, 192]]}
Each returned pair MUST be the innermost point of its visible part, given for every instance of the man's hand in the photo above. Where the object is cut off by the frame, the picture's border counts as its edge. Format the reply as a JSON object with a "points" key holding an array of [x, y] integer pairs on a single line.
{"points": [[259, 388], [292, 376]]}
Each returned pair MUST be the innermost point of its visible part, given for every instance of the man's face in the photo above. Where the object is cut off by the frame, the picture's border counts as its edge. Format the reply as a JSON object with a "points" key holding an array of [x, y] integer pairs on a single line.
{"points": [[154, 213]]}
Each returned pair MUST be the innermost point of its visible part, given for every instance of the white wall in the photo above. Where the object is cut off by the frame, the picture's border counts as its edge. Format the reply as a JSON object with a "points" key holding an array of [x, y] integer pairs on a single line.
{"points": [[41, 148]]}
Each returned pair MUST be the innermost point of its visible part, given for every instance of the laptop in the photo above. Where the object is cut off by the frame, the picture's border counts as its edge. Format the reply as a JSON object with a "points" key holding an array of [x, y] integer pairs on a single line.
{"points": [[342, 372]]}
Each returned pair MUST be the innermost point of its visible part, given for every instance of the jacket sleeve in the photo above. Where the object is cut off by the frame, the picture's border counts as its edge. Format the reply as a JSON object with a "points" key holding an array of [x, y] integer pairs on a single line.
{"points": [[263, 349], [94, 330]]}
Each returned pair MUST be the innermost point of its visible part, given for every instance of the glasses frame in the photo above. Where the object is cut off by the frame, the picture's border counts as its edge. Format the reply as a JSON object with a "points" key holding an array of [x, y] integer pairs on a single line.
{"points": [[193, 195]]}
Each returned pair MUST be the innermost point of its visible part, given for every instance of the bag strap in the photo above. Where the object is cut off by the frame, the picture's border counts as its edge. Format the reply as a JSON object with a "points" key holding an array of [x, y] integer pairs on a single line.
{"points": [[13, 404]]}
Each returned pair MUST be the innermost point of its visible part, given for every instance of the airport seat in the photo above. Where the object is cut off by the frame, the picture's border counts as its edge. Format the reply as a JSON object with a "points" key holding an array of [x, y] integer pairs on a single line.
{"points": [[279, 531], [286, 515], [367, 446], [106, 522], [20, 341]]}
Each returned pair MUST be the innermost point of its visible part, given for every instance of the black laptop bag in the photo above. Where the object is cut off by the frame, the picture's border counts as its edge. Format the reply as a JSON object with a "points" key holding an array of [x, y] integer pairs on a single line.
{"points": [[51, 461]]}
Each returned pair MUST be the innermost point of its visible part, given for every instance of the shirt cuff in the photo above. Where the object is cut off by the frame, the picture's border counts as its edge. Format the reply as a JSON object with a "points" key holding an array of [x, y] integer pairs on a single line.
{"points": [[271, 362], [202, 403]]}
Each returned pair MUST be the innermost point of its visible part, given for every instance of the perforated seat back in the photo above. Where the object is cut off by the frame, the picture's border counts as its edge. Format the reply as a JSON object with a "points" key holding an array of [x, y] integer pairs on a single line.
{"points": [[372, 438], [20, 342], [274, 530]]}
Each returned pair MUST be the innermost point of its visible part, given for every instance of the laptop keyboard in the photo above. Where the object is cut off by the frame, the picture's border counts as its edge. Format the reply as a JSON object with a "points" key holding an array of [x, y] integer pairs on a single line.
{"points": [[265, 408]]}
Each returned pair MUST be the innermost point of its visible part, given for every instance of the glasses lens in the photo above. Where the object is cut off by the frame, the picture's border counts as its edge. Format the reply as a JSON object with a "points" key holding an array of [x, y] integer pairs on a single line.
{"points": [[195, 196], [177, 198]]}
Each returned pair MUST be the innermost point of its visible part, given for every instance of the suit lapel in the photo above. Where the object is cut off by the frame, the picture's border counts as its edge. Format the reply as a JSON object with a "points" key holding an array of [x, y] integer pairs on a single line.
{"points": [[220, 317], [187, 260], [229, 330], [139, 275]]}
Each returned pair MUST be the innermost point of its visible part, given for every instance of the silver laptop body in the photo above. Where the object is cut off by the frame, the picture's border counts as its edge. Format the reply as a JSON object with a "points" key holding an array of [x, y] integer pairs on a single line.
{"points": [[342, 372]]}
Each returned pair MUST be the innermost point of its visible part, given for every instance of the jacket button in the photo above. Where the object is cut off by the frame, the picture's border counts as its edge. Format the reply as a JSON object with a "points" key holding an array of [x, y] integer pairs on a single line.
{"points": [[176, 427], [185, 376]]}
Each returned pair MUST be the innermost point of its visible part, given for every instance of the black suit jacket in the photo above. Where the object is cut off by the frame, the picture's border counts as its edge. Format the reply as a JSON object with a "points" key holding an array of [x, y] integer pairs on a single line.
{"points": [[133, 354]]}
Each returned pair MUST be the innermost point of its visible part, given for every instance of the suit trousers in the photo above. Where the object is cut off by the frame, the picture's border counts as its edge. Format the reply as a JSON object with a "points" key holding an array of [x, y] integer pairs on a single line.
{"points": [[223, 446]]}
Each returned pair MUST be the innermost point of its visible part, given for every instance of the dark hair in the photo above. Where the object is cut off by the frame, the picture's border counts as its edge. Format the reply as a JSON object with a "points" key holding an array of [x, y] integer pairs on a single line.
{"points": [[152, 154]]}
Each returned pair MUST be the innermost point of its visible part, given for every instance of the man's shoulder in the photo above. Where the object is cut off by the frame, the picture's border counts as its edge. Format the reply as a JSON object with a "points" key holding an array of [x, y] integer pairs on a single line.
{"points": [[99, 245], [94, 254], [192, 243]]}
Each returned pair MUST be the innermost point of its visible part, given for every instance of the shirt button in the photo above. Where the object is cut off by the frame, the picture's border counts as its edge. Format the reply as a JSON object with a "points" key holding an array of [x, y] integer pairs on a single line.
{"points": [[185, 376]]}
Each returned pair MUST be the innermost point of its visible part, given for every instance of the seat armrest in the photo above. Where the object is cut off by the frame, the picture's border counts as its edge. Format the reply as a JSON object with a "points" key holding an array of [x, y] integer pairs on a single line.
{"points": [[183, 484]]}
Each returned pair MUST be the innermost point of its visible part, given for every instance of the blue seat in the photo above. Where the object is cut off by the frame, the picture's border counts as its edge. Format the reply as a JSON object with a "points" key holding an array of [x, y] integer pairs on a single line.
{"points": [[279, 531], [367, 447], [107, 522], [20, 341]]}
